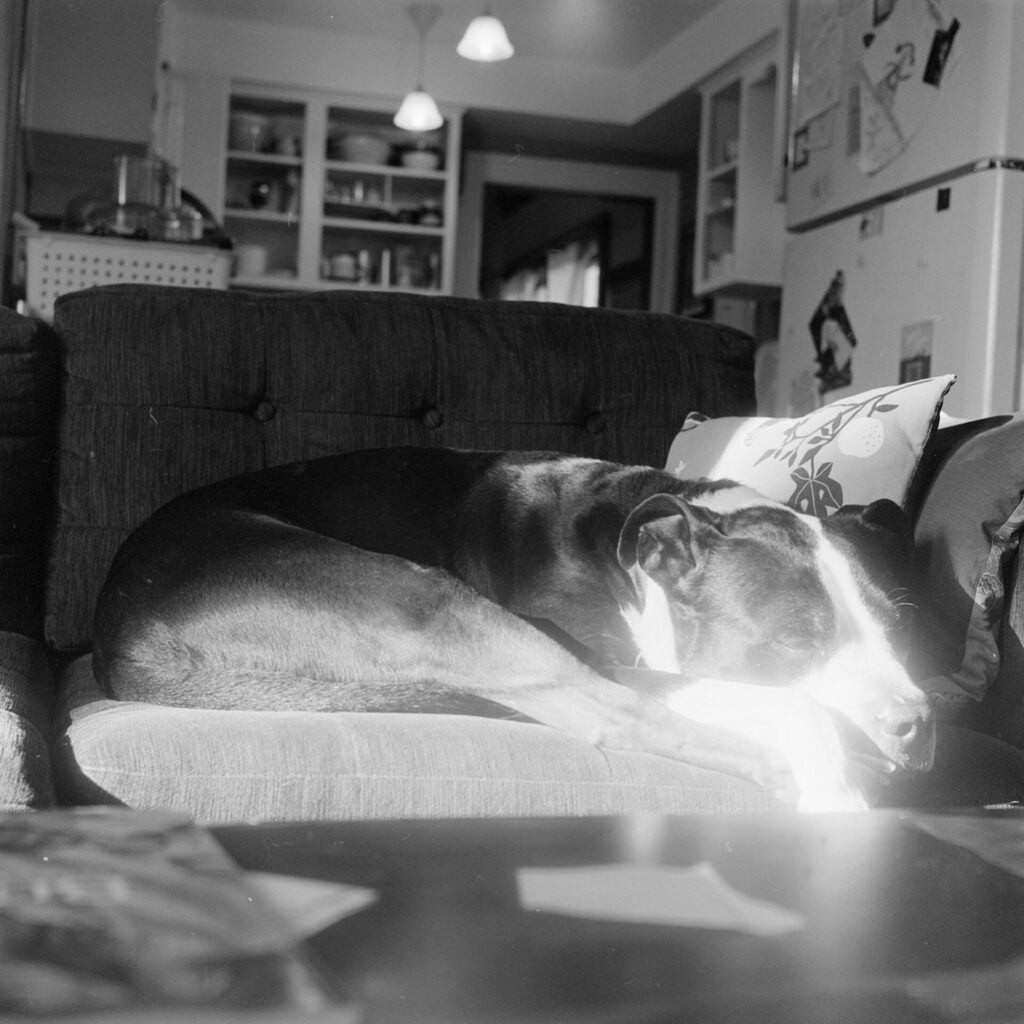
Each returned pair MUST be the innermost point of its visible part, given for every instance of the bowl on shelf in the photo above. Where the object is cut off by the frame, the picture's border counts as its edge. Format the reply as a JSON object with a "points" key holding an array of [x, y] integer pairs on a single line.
{"points": [[358, 148], [249, 131], [421, 159]]}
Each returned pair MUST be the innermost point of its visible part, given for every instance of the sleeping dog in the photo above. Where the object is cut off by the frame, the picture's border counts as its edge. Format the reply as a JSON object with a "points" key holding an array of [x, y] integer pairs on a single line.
{"points": [[578, 593]]}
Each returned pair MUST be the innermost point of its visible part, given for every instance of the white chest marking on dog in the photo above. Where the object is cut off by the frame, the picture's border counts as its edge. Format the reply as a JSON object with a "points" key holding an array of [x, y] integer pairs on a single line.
{"points": [[857, 624], [652, 628]]}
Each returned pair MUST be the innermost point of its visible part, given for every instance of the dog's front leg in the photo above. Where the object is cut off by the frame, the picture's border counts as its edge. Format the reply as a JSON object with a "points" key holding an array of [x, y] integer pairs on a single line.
{"points": [[801, 729], [516, 666]]}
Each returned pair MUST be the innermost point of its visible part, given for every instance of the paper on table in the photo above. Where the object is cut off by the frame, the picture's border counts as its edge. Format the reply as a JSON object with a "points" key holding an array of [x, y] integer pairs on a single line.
{"points": [[306, 906], [691, 897], [996, 839]]}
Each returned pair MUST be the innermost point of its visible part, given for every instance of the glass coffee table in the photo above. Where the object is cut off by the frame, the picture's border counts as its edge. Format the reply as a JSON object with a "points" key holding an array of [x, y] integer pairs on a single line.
{"points": [[876, 917]]}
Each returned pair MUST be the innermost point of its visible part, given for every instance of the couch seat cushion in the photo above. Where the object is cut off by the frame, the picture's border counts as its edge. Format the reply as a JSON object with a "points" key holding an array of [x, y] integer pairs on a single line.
{"points": [[232, 766]]}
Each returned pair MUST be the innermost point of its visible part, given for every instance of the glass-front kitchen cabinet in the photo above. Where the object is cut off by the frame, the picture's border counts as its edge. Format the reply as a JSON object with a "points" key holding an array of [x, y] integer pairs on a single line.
{"points": [[321, 190], [740, 232]]}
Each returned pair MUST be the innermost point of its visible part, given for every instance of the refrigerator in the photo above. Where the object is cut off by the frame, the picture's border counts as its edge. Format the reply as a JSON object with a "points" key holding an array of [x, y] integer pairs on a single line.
{"points": [[904, 203]]}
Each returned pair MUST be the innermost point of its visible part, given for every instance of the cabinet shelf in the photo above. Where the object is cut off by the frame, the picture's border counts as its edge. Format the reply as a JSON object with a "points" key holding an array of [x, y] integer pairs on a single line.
{"points": [[385, 169], [327, 283], [723, 170], [279, 282], [275, 281], [383, 227], [723, 213], [270, 216], [270, 159]]}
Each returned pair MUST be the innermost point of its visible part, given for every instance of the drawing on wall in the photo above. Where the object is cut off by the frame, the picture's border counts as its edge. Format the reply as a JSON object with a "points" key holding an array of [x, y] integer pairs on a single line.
{"points": [[821, 49], [833, 337], [901, 71]]}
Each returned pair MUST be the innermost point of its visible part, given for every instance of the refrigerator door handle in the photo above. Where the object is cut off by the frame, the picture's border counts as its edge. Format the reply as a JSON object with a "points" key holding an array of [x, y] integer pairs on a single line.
{"points": [[785, 99]]}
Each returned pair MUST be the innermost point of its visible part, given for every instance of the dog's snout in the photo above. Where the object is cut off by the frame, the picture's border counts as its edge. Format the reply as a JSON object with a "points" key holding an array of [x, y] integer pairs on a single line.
{"points": [[911, 729]]}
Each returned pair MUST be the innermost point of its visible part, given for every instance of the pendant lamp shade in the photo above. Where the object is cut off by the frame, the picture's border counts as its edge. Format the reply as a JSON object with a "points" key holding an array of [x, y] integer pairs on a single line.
{"points": [[418, 112], [485, 39]]}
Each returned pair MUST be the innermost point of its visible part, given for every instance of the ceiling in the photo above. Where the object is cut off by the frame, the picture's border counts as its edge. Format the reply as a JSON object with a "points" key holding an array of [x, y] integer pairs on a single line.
{"points": [[617, 34], [613, 33]]}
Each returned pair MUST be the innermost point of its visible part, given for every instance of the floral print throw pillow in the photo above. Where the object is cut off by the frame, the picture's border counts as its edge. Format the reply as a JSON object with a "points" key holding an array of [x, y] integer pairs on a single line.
{"points": [[850, 452]]}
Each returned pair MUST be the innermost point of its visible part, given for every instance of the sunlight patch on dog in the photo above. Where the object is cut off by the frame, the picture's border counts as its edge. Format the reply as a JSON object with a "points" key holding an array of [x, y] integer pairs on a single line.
{"points": [[839, 581], [652, 628], [787, 721], [864, 679]]}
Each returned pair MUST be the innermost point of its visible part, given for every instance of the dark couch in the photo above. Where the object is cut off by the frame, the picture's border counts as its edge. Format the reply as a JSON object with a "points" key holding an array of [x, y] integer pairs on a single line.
{"points": [[137, 393]]}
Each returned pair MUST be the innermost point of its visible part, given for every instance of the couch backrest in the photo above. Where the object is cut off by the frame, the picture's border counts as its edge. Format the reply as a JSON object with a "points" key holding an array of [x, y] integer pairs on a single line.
{"points": [[29, 370], [170, 388]]}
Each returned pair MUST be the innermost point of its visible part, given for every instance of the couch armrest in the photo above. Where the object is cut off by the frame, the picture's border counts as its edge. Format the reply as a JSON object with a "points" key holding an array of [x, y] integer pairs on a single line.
{"points": [[29, 376], [968, 532], [1001, 714], [26, 712]]}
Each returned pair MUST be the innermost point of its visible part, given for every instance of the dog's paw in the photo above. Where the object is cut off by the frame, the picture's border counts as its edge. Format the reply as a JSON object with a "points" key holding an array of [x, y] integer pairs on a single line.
{"points": [[820, 796], [807, 762]]}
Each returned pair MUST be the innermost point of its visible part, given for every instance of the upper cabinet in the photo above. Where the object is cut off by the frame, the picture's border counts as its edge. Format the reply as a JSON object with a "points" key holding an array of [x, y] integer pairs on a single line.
{"points": [[321, 190], [89, 68], [740, 225]]}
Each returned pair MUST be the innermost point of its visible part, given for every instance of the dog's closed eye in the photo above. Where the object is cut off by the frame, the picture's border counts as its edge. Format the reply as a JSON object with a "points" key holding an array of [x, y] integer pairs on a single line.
{"points": [[777, 660]]}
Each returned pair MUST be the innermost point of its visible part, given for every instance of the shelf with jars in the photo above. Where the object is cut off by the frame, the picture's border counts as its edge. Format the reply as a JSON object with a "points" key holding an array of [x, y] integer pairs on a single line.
{"points": [[386, 200], [321, 192], [263, 176]]}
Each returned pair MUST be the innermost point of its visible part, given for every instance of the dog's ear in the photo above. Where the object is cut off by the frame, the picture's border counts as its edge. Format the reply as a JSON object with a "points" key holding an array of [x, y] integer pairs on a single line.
{"points": [[884, 515], [883, 527], [664, 528]]}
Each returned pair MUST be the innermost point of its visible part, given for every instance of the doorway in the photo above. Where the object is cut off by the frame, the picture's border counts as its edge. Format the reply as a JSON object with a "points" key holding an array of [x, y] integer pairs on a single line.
{"points": [[558, 246], [553, 204]]}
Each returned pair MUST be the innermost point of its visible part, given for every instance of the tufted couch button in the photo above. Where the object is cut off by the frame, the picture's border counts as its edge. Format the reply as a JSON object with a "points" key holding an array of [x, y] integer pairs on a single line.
{"points": [[264, 411], [432, 418], [595, 423]]}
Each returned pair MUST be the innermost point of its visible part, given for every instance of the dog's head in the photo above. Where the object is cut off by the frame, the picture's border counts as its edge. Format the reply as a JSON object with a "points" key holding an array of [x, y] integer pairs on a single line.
{"points": [[733, 586]]}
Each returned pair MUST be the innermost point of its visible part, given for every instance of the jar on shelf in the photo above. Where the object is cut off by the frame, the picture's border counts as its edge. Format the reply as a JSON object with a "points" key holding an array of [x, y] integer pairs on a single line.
{"points": [[430, 215]]}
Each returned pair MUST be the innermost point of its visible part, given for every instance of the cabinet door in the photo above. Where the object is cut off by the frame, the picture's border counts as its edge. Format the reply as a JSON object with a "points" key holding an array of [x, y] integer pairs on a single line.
{"points": [[719, 178], [740, 235]]}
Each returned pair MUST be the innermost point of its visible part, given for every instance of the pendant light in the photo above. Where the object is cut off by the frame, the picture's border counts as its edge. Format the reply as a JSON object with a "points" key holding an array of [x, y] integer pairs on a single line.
{"points": [[418, 112], [485, 39]]}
